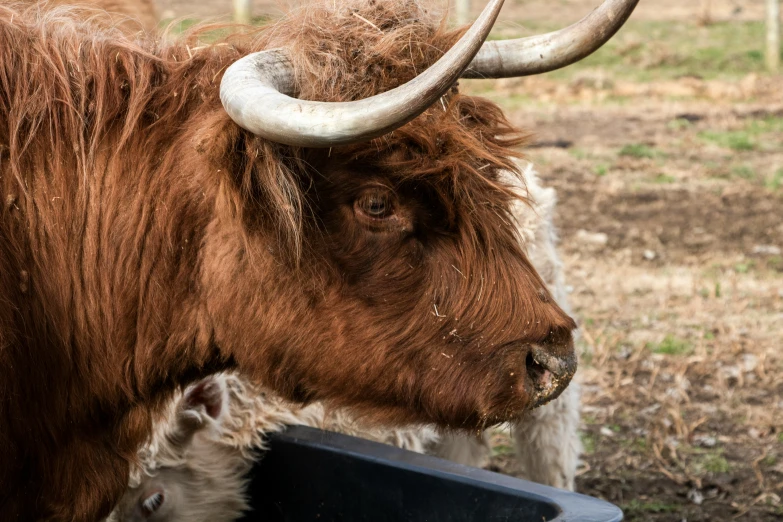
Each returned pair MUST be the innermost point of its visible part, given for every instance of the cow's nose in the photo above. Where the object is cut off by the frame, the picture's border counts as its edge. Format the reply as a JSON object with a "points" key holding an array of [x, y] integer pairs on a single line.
{"points": [[550, 369]]}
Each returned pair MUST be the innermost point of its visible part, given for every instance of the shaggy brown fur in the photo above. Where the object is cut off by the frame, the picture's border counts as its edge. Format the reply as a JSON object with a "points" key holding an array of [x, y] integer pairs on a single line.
{"points": [[146, 240]]}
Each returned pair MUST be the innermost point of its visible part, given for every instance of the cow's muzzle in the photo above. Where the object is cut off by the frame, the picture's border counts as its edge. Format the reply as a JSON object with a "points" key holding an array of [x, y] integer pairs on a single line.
{"points": [[550, 371]]}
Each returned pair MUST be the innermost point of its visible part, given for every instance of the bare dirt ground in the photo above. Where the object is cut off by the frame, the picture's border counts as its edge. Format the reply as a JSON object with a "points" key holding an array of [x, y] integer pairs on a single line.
{"points": [[677, 277], [671, 216]]}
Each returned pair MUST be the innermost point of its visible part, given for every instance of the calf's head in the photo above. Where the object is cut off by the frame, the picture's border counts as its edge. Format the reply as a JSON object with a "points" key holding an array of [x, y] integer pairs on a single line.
{"points": [[196, 477]]}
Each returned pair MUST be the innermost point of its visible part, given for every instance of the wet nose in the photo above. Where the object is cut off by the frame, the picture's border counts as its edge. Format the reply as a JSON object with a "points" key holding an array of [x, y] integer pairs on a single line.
{"points": [[550, 366]]}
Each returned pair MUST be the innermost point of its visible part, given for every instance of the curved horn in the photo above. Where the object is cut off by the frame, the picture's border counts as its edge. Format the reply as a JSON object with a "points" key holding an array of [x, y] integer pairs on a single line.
{"points": [[256, 93], [547, 52]]}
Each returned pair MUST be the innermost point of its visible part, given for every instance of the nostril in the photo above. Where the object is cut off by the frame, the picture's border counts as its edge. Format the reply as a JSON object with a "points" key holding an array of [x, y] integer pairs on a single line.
{"points": [[549, 374], [560, 366], [538, 374]]}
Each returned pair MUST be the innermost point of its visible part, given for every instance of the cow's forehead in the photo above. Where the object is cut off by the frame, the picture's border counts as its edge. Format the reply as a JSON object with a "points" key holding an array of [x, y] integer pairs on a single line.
{"points": [[466, 140]]}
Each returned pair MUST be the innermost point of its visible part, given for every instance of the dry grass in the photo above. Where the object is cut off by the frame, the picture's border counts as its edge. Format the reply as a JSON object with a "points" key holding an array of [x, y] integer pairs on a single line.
{"points": [[681, 301], [681, 385], [671, 212]]}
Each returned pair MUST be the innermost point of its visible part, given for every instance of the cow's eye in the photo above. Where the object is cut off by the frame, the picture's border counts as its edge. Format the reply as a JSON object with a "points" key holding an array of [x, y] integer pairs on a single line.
{"points": [[375, 204]]}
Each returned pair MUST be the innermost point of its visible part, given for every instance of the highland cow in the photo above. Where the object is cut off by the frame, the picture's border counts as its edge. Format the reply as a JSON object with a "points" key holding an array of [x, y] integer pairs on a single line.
{"points": [[171, 212], [202, 480]]}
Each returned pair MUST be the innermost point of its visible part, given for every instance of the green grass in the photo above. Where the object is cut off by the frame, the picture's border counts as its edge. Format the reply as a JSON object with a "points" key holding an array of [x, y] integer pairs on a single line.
{"points": [[775, 181], [183, 24], [714, 463], [740, 140], [639, 507], [762, 133], [671, 346], [643, 50], [502, 450], [767, 124], [638, 150], [663, 179], [639, 444], [587, 357], [772, 181], [578, 153], [744, 172], [588, 443], [601, 169], [679, 124], [509, 100]]}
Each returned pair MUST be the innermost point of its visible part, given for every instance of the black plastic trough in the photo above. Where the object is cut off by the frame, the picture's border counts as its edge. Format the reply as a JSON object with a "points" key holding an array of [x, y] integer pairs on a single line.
{"points": [[312, 475]]}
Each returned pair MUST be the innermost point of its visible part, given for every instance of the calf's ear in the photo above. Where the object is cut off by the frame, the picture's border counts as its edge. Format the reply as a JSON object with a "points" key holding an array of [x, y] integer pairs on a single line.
{"points": [[200, 407], [207, 396]]}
